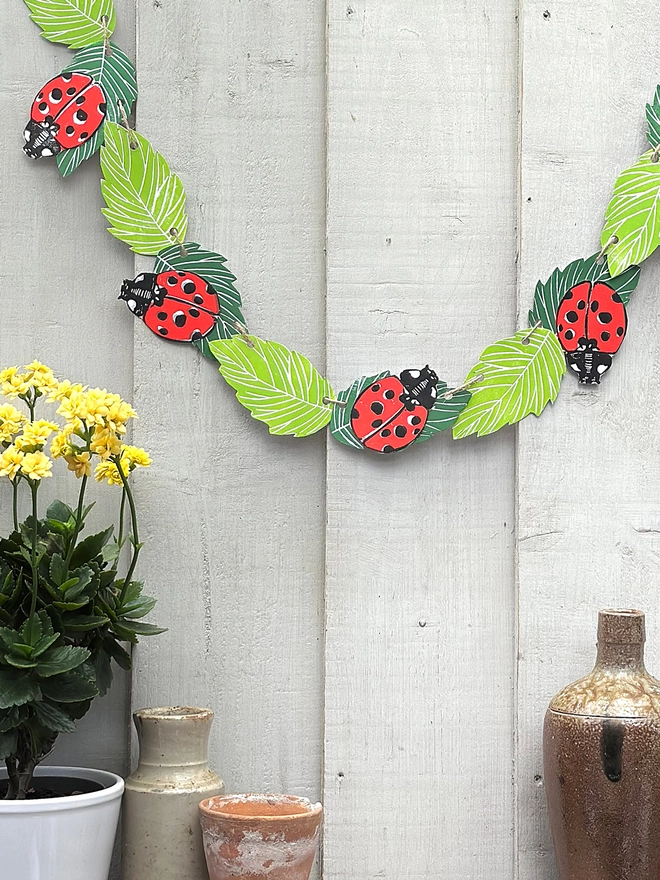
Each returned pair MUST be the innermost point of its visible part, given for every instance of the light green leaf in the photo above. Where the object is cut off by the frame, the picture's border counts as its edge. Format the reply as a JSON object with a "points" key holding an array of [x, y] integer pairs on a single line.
{"points": [[144, 199], [550, 293], [76, 23], [445, 412], [211, 267], [633, 215], [340, 422], [115, 73], [278, 386], [653, 119], [518, 379]]}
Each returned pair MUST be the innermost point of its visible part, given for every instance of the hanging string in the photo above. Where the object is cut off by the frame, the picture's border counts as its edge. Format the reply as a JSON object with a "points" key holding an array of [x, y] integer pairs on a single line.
{"points": [[174, 232], [329, 401], [525, 340], [613, 239], [244, 334], [473, 381], [105, 23], [132, 140]]}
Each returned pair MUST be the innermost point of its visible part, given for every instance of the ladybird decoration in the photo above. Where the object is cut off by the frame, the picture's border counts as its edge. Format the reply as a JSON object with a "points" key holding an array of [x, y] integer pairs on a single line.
{"points": [[391, 413], [179, 306], [65, 114], [591, 325]]}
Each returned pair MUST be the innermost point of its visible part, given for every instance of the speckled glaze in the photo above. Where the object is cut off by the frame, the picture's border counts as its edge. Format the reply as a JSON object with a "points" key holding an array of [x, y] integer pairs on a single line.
{"points": [[161, 839], [601, 752], [260, 837]]}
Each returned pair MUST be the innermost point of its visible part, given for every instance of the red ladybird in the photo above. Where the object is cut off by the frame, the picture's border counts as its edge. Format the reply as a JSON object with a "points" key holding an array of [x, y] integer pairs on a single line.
{"points": [[66, 113], [175, 305], [591, 325], [390, 414]]}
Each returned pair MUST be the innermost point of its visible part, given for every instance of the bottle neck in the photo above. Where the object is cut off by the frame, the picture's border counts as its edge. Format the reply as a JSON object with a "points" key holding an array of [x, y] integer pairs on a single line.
{"points": [[621, 655], [173, 740]]}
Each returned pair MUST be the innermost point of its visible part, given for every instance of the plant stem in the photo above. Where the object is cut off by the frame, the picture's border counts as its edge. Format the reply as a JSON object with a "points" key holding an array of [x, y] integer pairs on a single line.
{"points": [[79, 516], [134, 526], [14, 506], [34, 486], [121, 524]]}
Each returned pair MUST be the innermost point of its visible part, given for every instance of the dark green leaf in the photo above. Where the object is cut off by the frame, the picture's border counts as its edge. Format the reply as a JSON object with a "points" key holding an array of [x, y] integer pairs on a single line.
{"points": [[31, 630], [83, 578], [16, 688], [44, 643], [53, 718], [140, 629], [103, 669], [111, 552], [58, 570], [9, 637], [653, 119], [139, 608], [71, 687], [59, 512], [84, 622], [71, 606], [8, 744], [444, 413], [90, 548], [211, 267], [62, 659], [20, 662], [121, 657]]}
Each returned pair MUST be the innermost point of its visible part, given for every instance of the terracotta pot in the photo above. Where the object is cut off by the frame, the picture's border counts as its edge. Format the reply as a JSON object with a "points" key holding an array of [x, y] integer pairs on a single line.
{"points": [[601, 750], [260, 836], [161, 839]]}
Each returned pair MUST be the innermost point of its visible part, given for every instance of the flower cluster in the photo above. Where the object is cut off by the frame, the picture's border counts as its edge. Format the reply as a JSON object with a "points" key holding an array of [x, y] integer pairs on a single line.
{"points": [[94, 425]]}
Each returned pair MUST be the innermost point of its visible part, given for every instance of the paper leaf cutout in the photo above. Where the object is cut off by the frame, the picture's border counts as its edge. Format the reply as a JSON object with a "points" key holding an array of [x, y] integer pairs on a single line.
{"points": [[519, 379], [211, 267], [633, 215], [115, 74], [444, 413], [144, 199], [653, 119], [278, 386], [76, 23], [340, 423], [549, 294]]}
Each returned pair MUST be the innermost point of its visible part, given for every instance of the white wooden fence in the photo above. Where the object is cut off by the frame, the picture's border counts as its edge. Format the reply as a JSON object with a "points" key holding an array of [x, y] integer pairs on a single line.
{"points": [[387, 181]]}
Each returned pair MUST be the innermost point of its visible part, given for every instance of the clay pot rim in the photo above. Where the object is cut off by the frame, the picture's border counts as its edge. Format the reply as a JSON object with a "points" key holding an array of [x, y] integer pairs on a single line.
{"points": [[208, 808], [623, 612], [167, 713]]}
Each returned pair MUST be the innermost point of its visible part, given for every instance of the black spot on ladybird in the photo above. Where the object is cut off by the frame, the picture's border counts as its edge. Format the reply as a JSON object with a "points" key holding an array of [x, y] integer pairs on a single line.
{"points": [[605, 335], [376, 407], [604, 318], [388, 449], [569, 295], [67, 77], [389, 394], [84, 136], [385, 432], [375, 388], [616, 298], [56, 95], [70, 129], [570, 334], [354, 413], [81, 115], [162, 316], [572, 317], [197, 299], [71, 90], [80, 100], [188, 286], [181, 274], [376, 423], [619, 331], [594, 306], [162, 331], [43, 107], [196, 336], [581, 304], [172, 280], [400, 431], [560, 327], [179, 319], [415, 420], [103, 107], [194, 313]]}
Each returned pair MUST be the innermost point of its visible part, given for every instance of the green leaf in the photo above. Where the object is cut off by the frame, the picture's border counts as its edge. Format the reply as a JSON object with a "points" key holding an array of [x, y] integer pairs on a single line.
{"points": [[139, 608], [9, 637], [211, 267], [121, 657], [69, 160], [71, 687], [31, 631], [340, 420], [550, 293], [58, 570], [103, 670], [84, 622], [60, 660], [90, 548], [8, 744], [653, 119], [519, 379], [44, 644], [633, 215], [445, 412], [75, 23], [53, 718], [139, 628], [60, 512], [144, 199], [16, 689], [278, 386], [113, 71]]}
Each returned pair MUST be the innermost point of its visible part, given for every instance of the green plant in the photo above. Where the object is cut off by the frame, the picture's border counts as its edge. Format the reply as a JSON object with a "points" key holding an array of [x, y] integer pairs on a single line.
{"points": [[64, 607]]}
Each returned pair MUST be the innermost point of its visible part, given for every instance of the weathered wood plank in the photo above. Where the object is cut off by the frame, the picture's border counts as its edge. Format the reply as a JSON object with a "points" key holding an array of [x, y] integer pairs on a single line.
{"points": [[420, 603], [234, 97], [588, 480]]}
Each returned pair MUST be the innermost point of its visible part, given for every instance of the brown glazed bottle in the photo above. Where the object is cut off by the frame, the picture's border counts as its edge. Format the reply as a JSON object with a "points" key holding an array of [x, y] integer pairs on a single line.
{"points": [[601, 755]]}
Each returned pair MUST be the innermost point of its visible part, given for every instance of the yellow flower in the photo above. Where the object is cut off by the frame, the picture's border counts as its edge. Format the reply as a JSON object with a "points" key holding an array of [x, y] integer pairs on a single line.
{"points": [[107, 470], [36, 375], [63, 391], [80, 464], [35, 435], [10, 462], [60, 445], [11, 420], [135, 457], [13, 383], [40, 376], [105, 443], [36, 466]]}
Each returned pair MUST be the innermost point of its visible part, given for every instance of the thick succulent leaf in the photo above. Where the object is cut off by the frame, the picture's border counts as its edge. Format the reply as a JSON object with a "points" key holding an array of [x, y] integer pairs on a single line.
{"points": [[653, 119], [71, 687], [633, 215], [550, 293], [518, 379], [445, 412], [211, 267], [145, 200], [280, 387], [76, 23], [53, 718], [62, 659], [340, 422], [16, 688]]}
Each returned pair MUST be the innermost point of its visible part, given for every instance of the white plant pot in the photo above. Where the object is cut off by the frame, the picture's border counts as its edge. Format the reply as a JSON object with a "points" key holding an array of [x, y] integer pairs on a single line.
{"points": [[61, 838]]}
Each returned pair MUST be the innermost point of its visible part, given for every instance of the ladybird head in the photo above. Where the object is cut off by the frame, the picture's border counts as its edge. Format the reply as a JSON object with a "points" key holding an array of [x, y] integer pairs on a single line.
{"points": [[40, 138], [140, 293]]}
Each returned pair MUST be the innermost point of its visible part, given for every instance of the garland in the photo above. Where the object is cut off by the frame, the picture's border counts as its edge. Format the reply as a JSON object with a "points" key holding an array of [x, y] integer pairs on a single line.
{"points": [[578, 318]]}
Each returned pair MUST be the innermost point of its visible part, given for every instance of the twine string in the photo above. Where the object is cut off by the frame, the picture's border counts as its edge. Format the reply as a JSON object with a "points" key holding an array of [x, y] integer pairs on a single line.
{"points": [[132, 140], [613, 239], [174, 232], [105, 24], [244, 334], [330, 401], [525, 340], [473, 381]]}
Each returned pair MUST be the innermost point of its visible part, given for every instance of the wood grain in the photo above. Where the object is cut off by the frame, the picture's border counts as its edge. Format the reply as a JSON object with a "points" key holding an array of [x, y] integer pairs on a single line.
{"points": [[588, 480], [422, 212]]}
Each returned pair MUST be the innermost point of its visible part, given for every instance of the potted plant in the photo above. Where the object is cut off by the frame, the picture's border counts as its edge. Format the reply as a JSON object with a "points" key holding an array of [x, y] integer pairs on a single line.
{"points": [[65, 610]]}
